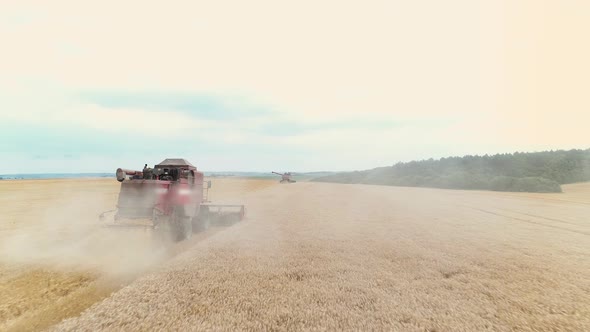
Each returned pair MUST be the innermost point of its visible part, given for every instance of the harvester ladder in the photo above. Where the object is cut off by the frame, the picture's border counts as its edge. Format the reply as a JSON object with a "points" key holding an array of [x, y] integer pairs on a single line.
{"points": [[206, 195]]}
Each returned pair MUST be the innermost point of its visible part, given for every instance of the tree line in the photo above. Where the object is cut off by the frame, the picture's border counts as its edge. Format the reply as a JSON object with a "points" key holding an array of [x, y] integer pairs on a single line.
{"points": [[526, 172]]}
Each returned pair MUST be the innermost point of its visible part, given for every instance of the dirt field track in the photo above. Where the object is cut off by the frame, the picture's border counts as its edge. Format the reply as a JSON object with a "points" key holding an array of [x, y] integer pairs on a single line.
{"points": [[309, 256]]}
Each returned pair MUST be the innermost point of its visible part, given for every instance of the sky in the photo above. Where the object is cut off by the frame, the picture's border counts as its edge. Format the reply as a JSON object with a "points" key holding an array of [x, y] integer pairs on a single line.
{"points": [[288, 85]]}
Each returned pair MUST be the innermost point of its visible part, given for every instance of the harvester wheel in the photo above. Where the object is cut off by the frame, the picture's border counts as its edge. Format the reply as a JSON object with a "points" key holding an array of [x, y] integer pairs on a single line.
{"points": [[188, 227], [202, 221], [182, 227]]}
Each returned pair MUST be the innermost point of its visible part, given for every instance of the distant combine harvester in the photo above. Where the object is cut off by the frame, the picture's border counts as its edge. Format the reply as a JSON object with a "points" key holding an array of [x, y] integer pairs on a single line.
{"points": [[285, 177]]}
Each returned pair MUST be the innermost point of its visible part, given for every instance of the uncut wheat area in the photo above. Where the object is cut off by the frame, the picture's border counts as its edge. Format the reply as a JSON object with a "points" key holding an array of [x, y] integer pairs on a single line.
{"points": [[315, 256]]}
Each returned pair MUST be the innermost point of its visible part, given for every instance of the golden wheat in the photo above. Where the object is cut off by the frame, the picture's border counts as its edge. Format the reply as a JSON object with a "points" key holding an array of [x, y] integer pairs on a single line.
{"points": [[343, 257]]}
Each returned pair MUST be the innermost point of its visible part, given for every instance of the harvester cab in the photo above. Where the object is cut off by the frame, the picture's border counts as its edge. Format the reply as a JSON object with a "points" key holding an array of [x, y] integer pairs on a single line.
{"points": [[170, 198]]}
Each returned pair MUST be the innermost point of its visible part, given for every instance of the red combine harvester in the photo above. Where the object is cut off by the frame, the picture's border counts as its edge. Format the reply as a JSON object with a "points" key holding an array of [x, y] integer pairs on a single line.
{"points": [[169, 198], [285, 177]]}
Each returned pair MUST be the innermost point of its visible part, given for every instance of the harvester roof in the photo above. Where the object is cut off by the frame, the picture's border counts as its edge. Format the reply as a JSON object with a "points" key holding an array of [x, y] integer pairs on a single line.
{"points": [[175, 162]]}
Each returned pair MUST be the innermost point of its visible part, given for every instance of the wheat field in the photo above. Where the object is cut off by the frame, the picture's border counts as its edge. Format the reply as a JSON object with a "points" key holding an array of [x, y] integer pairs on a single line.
{"points": [[316, 256]]}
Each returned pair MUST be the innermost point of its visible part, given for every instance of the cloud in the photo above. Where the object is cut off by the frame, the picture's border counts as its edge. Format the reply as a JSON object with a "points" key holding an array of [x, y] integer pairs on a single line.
{"points": [[204, 106]]}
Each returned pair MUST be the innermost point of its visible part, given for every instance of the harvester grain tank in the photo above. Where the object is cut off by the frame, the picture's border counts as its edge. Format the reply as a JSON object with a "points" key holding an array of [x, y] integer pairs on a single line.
{"points": [[169, 198], [285, 177]]}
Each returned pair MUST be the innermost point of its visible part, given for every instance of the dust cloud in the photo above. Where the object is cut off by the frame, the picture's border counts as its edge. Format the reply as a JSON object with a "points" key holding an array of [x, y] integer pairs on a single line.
{"points": [[66, 234], [56, 257]]}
